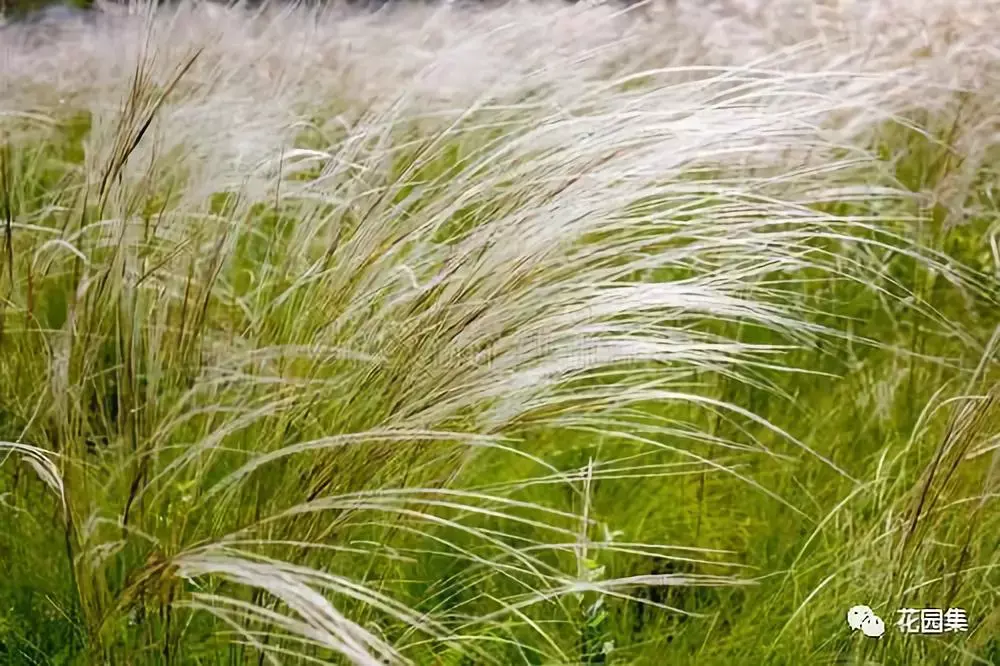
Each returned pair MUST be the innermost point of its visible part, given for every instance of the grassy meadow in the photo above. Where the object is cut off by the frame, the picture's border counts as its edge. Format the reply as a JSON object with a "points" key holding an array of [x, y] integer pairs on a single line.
{"points": [[517, 334]]}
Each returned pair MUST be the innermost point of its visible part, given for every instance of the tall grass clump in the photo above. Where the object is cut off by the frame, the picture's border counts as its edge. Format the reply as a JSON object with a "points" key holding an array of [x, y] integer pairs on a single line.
{"points": [[461, 335]]}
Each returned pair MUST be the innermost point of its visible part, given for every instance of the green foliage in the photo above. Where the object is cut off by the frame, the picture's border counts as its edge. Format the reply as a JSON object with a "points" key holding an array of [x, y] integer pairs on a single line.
{"points": [[214, 437]]}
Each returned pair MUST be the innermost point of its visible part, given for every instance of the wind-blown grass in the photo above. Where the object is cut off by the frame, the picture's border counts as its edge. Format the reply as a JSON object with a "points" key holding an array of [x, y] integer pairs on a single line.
{"points": [[510, 335]]}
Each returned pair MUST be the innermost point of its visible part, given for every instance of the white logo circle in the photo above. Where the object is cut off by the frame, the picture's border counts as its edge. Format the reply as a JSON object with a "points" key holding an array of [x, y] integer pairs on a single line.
{"points": [[863, 618]]}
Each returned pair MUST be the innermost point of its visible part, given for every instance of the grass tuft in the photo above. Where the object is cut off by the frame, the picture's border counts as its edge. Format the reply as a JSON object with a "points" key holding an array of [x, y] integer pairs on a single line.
{"points": [[520, 334]]}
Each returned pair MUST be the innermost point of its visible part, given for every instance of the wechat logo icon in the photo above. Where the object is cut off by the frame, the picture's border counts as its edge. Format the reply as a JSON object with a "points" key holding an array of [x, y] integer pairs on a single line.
{"points": [[863, 618]]}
